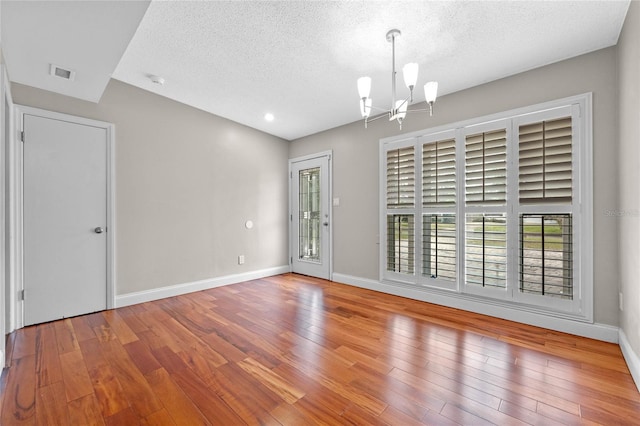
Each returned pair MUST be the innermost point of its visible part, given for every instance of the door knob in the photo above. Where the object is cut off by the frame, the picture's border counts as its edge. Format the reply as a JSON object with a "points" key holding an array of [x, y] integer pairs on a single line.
{"points": [[98, 230], [326, 223]]}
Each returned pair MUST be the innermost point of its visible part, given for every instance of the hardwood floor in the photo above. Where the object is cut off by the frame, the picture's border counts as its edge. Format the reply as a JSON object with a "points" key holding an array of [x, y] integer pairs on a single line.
{"points": [[295, 350]]}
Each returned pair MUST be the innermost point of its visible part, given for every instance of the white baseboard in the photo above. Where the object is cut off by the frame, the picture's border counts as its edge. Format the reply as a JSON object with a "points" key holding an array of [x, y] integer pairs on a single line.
{"points": [[178, 289], [607, 333], [632, 359]]}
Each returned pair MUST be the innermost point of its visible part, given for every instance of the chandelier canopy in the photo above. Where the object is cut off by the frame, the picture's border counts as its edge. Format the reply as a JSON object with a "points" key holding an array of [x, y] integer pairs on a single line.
{"points": [[399, 108]]}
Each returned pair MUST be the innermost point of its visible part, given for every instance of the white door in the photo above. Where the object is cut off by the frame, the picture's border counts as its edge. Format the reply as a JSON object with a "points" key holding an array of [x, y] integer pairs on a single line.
{"points": [[311, 216], [65, 218]]}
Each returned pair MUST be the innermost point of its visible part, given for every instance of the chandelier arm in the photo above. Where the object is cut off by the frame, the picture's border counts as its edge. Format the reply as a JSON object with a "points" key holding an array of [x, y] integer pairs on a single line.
{"points": [[379, 109], [418, 110], [406, 101], [377, 117]]}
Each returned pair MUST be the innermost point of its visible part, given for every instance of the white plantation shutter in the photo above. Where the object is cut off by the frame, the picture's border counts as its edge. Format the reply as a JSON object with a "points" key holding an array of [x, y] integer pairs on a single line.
{"points": [[439, 173], [400, 188], [486, 168], [545, 166], [401, 178]]}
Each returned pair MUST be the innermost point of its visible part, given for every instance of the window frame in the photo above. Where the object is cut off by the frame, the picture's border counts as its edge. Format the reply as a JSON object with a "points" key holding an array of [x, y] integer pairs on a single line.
{"points": [[581, 307]]}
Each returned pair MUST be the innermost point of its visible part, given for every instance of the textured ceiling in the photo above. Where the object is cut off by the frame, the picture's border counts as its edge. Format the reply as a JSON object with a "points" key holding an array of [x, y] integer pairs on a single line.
{"points": [[301, 60], [296, 59]]}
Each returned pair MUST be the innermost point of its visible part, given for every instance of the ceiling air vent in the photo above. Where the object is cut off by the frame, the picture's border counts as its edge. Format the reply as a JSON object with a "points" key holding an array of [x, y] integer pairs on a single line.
{"points": [[57, 71]]}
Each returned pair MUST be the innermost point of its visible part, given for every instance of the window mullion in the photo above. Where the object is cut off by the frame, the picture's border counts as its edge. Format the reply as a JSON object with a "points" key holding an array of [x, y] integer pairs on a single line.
{"points": [[460, 209], [543, 252], [512, 210], [417, 214]]}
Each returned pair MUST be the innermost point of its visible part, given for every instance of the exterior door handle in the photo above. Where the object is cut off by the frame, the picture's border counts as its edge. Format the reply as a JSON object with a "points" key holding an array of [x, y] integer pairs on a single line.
{"points": [[326, 223], [98, 230]]}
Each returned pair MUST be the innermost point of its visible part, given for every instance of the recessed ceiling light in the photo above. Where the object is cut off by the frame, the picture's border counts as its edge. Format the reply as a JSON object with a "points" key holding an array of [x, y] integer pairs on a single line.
{"points": [[269, 117]]}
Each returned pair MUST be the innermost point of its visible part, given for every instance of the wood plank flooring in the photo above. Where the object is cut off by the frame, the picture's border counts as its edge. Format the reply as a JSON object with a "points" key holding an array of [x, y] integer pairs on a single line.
{"points": [[295, 350]]}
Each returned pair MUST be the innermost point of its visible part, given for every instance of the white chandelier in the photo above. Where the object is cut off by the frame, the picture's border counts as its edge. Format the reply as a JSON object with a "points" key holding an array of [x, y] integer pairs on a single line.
{"points": [[399, 108]]}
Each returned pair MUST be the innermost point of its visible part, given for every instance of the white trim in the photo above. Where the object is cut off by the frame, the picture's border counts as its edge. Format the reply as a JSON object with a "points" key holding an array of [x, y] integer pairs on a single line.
{"points": [[311, 156], [3, 228], [632, 358], [11, 233], [4, 218], [16, 225], [20, 111], [111, 217], [488, 307], [586, 230], [178, 289]]}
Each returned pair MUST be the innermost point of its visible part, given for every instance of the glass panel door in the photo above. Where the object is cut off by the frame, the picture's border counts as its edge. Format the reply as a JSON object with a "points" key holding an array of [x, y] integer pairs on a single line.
{"points": [[311, 216]]}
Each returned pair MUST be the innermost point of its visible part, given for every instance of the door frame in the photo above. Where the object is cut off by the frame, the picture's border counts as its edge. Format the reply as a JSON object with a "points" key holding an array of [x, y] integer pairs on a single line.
{"points": [[329, 156], [6, 216], [20, 111]]}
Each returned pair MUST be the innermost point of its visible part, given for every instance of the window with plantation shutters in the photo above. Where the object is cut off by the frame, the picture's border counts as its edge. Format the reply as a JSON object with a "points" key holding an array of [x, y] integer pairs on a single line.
{"points": [[495, 210], [401, 178], [439, 173], [544, 173], [486, 168]]}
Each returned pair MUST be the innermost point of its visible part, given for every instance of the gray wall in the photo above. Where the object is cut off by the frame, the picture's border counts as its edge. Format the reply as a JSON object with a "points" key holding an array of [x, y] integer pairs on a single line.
{"points": [[629, 171], [355, 166], [186, 182]]}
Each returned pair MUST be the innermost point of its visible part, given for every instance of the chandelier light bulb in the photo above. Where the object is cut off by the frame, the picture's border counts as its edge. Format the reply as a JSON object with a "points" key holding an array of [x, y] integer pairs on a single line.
{"points": [[431, 91], [410, 73], [430, 94], [364, 87]]}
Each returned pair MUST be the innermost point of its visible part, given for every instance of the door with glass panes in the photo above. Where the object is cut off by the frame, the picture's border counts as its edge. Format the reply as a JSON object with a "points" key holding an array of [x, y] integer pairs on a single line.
{"points": [[311, 216]]}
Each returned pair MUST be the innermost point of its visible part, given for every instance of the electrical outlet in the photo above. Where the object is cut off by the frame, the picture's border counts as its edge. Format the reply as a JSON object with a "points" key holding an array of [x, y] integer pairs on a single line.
{"points": [[241, 259], [620, 301]]}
